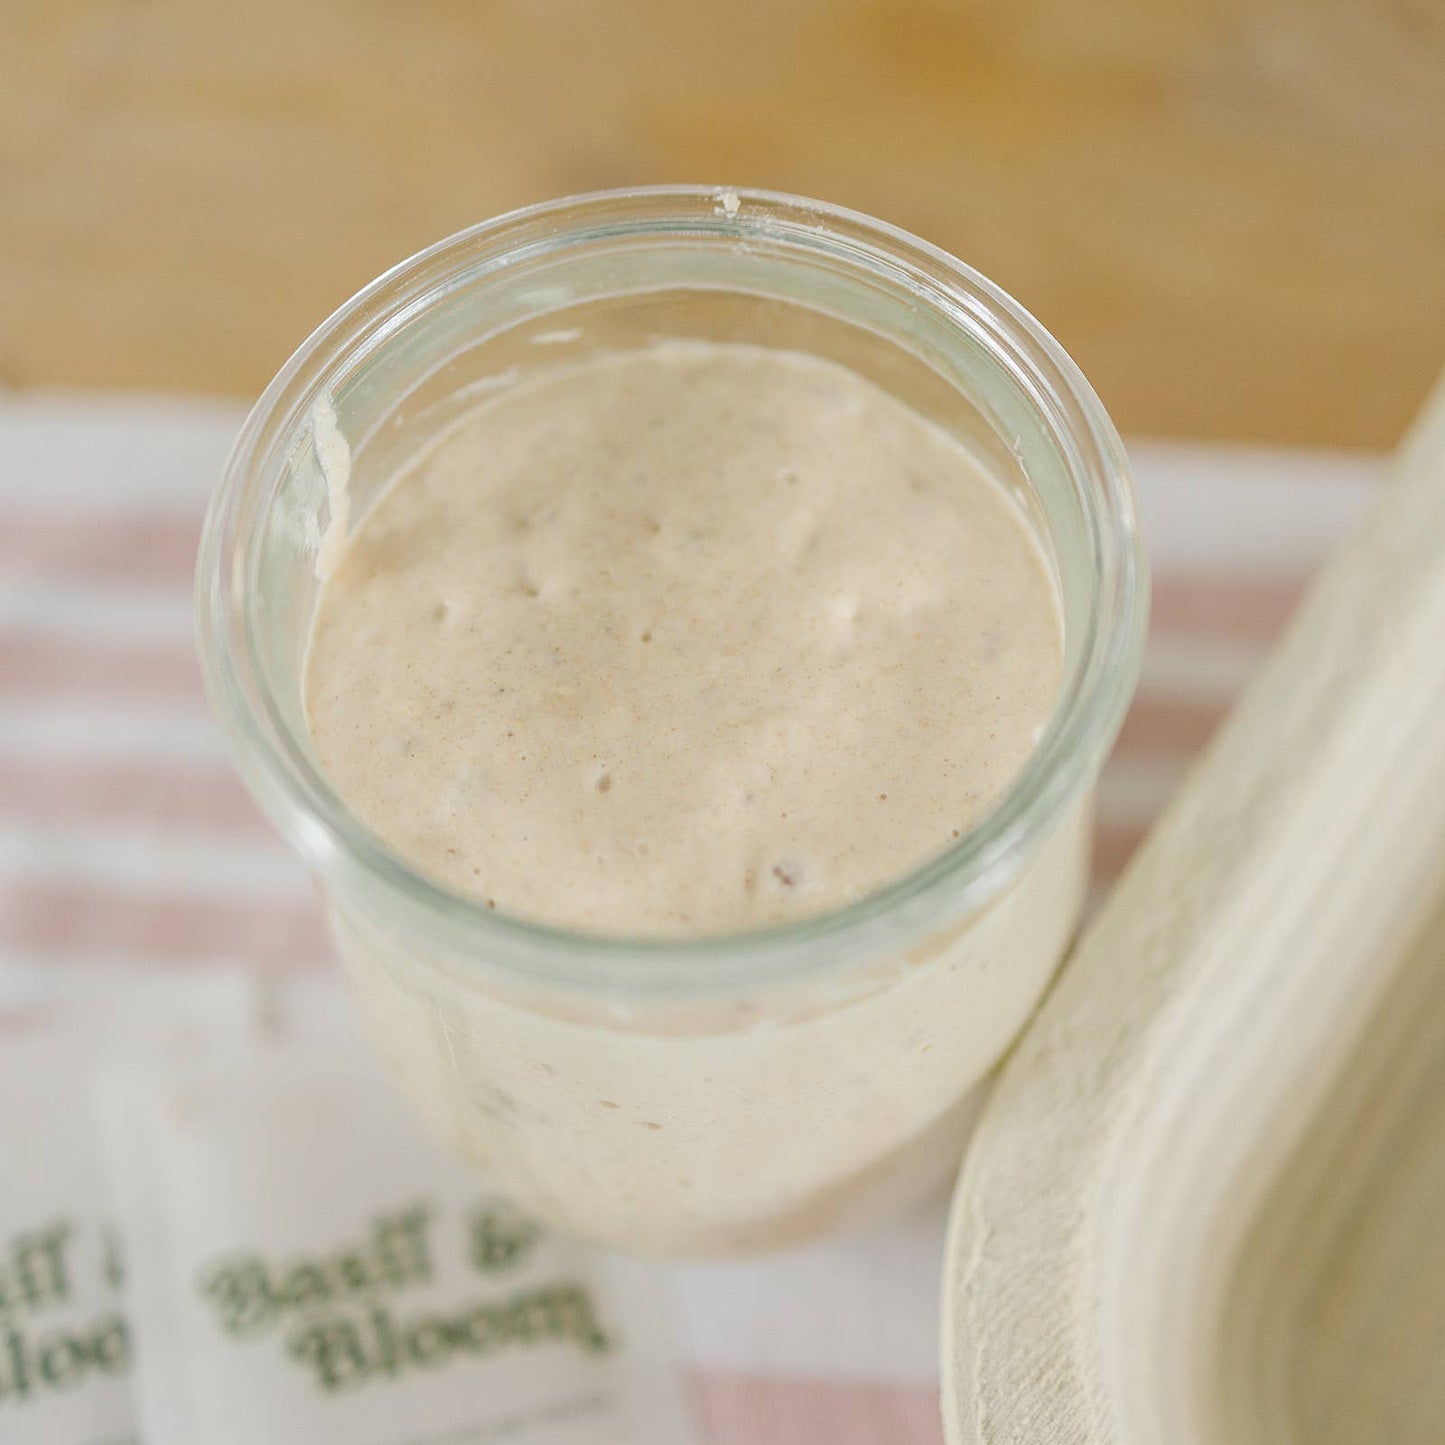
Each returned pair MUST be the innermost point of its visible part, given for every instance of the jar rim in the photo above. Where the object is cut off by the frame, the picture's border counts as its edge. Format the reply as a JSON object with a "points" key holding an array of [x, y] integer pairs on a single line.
{"points": [[959, 880]]}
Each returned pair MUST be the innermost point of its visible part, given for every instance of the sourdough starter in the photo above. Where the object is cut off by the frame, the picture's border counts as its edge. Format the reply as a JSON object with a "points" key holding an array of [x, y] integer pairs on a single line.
{"points": [[675, 643], [683, 641]]}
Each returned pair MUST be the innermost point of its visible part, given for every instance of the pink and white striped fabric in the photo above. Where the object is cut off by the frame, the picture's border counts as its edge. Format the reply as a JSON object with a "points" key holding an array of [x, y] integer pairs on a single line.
{"points": [[125, 839]]}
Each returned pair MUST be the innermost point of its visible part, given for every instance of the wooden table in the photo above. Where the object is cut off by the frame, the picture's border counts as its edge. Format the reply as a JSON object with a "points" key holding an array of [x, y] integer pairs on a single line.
{"points": [[1232, 213]]}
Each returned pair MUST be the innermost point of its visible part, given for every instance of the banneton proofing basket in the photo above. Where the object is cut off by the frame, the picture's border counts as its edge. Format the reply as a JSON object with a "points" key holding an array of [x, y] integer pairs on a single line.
{"points": [[1206, 1205]]}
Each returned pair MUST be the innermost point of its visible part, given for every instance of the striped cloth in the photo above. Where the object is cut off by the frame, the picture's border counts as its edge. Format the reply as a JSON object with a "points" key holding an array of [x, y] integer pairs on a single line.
{"points": [[126, 840]]}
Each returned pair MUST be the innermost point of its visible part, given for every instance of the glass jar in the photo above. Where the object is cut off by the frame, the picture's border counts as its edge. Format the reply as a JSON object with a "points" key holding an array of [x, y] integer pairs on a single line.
{"points": [[729, 1092]]}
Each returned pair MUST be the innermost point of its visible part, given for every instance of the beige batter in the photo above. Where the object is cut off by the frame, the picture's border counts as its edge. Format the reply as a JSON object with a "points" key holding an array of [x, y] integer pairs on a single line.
{"points": [[683, 641]]}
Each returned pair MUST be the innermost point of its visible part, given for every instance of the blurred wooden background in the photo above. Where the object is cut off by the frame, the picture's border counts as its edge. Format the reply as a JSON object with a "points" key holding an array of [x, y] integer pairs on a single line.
{"points": [[1232, 212]]}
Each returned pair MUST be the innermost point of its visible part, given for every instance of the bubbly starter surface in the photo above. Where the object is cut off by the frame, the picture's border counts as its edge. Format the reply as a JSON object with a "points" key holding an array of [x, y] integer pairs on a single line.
{"points": [[683, 641]]}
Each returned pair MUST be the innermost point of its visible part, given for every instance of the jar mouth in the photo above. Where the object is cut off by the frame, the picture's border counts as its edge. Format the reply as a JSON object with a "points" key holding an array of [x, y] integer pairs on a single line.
{"points": [[1094, 693]]}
